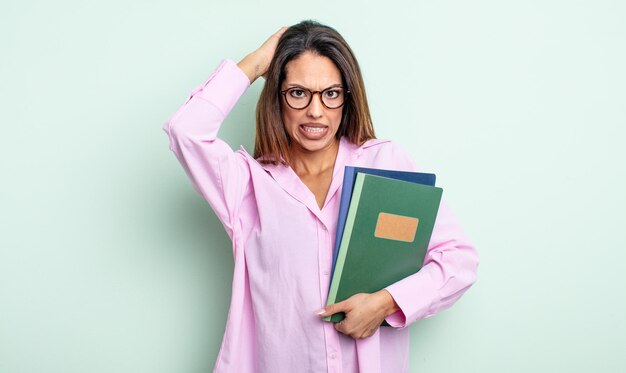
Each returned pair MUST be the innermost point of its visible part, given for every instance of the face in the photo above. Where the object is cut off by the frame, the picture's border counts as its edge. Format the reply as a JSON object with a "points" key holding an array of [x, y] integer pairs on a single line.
{"points": [[311, 129]]}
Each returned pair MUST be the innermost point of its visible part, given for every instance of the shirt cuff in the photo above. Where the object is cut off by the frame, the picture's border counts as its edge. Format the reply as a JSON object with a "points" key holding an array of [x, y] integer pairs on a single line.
{"points": [[396, 319], [224, 87], [414, 296]]}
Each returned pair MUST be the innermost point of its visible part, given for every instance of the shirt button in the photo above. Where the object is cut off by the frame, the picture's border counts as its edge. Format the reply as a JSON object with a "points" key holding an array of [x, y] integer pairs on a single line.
{"points": [[333, 355], [326, 273]]}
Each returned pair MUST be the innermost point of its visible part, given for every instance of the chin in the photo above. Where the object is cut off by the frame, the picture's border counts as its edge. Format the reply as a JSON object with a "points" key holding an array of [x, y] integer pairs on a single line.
{"points": [[315, 145]]}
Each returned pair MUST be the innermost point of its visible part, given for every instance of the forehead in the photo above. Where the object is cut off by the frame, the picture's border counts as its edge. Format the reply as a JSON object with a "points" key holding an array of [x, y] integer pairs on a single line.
{"points": [[312, 71]]}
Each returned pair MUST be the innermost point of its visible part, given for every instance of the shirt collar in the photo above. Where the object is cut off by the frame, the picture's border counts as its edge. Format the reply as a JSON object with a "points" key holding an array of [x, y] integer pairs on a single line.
{"points": [[289, 181]]}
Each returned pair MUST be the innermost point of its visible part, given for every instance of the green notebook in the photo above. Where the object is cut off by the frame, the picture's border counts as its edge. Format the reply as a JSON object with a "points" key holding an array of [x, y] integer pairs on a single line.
{"points": [[386, 235]]}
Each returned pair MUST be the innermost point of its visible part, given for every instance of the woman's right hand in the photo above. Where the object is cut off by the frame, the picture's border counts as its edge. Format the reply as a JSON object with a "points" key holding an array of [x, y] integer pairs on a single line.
{"points": [[258, 62]]}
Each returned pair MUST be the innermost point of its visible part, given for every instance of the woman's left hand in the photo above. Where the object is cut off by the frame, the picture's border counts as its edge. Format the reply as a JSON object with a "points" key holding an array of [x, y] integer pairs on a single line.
{"points": [[364, 313]]}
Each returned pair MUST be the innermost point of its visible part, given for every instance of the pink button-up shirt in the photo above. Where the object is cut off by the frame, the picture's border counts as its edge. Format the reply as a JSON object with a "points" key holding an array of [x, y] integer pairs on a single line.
{"points": [[283, 247]]}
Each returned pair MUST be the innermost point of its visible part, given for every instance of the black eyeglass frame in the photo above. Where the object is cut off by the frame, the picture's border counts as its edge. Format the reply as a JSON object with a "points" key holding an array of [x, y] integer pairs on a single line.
{"points": [[345, 91]]}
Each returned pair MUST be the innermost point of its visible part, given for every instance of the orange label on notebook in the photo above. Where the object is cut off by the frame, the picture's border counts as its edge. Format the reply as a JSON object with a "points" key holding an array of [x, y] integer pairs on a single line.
{"points": [[396, 227]]}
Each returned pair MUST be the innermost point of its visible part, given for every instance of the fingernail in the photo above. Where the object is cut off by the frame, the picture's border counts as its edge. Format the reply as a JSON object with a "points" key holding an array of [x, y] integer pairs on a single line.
{"points": [[320, 311]]}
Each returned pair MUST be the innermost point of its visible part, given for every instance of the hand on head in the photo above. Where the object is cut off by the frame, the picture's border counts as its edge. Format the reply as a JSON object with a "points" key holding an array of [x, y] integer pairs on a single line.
{"points": [[257, 63]]}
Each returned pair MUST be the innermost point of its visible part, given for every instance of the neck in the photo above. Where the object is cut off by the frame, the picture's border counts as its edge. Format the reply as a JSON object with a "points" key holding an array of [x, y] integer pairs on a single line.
{"points": [[314, 162]]}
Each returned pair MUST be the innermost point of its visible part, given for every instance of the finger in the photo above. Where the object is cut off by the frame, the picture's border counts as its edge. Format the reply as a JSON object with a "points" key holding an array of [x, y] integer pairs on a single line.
{"points": [[332, 309], [342, 327], [281, 31], [272, 41], [326, 311], [339, 326]]}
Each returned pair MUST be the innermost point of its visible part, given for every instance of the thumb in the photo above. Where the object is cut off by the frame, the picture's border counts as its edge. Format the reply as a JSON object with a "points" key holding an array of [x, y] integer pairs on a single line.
{"points": [[332, 309]]}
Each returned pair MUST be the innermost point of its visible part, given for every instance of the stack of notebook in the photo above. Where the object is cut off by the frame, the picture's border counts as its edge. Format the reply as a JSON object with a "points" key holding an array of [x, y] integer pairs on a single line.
{"points": [[386, 219]]}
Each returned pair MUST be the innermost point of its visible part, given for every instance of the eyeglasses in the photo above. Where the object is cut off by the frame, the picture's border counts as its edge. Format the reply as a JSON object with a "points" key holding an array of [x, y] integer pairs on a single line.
{"points": [[299, 98]]}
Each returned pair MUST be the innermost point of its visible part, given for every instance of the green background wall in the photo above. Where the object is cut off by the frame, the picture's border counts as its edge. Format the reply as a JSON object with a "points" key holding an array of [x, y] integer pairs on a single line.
{"points": [[109, 261]]}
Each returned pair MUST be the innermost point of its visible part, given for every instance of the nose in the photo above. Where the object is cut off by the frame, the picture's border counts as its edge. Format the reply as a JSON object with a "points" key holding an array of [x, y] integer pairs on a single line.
{"points": [[315, 108]]}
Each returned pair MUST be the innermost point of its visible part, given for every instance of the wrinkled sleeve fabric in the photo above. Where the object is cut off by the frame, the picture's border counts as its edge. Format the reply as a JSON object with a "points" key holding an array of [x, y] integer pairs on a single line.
{"points": [[217, 173], [449, 269]]}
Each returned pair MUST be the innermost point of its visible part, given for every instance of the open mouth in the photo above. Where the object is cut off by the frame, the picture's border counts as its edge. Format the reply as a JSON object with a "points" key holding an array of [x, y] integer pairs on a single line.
{"points": [[313, 129]]}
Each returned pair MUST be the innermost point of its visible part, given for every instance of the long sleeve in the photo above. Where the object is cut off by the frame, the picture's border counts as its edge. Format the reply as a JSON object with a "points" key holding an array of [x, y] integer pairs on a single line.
{"points": [[449, 269], [217, 173], [450, 263]]}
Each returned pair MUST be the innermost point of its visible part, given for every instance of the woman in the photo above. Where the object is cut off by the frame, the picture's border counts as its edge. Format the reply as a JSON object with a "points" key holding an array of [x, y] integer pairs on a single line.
{"points": [[280, 209]]}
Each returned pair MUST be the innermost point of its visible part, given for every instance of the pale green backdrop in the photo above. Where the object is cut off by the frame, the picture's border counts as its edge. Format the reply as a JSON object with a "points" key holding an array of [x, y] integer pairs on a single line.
{"points": [[109, 261]]}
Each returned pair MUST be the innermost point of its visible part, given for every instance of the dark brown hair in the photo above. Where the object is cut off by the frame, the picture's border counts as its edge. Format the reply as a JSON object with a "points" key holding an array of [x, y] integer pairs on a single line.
{"points": [[272, 141]]}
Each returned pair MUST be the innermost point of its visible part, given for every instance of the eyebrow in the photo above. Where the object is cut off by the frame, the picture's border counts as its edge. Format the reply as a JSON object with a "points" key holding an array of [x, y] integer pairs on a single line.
{"points": [[296, 85]]}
